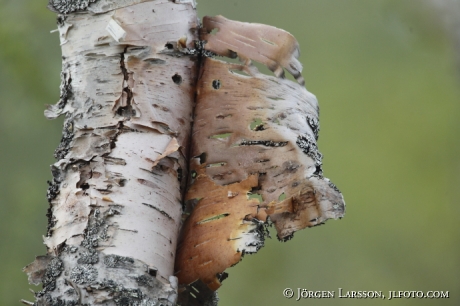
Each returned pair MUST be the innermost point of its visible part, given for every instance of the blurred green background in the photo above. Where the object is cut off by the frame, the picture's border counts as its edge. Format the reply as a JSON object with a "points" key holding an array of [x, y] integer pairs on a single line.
{"points": [[388, 87]]}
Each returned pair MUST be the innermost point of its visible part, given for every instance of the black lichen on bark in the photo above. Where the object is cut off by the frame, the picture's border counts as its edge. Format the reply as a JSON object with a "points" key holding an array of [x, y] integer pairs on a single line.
{"points": [[65, 88], [260, 231], [78, 279], [67, 137], [131, 296], [68, 130], [309, 147], [89, 256], [53, 271], [97, 228], [74, 270], [116, 261], [69, 6], [314, 125], [51, 193], [51, 220], [50, 301], [333, 186], [53, 189], [83, 274]]}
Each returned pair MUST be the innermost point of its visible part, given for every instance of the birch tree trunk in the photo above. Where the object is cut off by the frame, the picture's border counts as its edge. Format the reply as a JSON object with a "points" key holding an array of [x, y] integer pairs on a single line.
{"points": [[127, 94], [130, 78]]}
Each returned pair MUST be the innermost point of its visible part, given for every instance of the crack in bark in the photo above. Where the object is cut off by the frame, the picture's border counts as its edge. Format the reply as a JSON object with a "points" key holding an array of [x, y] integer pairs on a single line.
{"points": [[266, 143], [127, 110], [159, 210]]}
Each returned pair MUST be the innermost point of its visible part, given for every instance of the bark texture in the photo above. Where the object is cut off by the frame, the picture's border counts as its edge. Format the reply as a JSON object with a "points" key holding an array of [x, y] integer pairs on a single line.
{"points": [[254, 158], [127, 93], [130, 79]]}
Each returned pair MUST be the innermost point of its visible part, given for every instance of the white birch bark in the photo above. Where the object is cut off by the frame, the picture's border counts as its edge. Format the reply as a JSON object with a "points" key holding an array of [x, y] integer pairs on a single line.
{"points": [[127, 93], [129, 82]]}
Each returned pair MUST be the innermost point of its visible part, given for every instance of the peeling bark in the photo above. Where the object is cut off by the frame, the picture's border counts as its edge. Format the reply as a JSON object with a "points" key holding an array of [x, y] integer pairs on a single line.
{"points": [[273, 47], [254, 159], [115, 198], [132, 73]]}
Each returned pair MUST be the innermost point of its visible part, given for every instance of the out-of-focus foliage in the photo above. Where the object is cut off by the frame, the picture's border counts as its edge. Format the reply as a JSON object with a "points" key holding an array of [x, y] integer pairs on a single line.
{"points": [[384, 74]]}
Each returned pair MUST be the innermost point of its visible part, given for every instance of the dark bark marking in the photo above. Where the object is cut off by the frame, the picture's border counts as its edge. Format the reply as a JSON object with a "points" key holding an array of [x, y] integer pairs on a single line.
{"points": [[159, 210], [267, 143], [177, 79], [309, 147], [216, 84]]}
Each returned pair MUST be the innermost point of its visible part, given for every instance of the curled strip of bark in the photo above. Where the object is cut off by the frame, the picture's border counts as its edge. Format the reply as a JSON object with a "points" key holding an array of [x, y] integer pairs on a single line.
{"points": [[255, 157], [273, 47]]}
